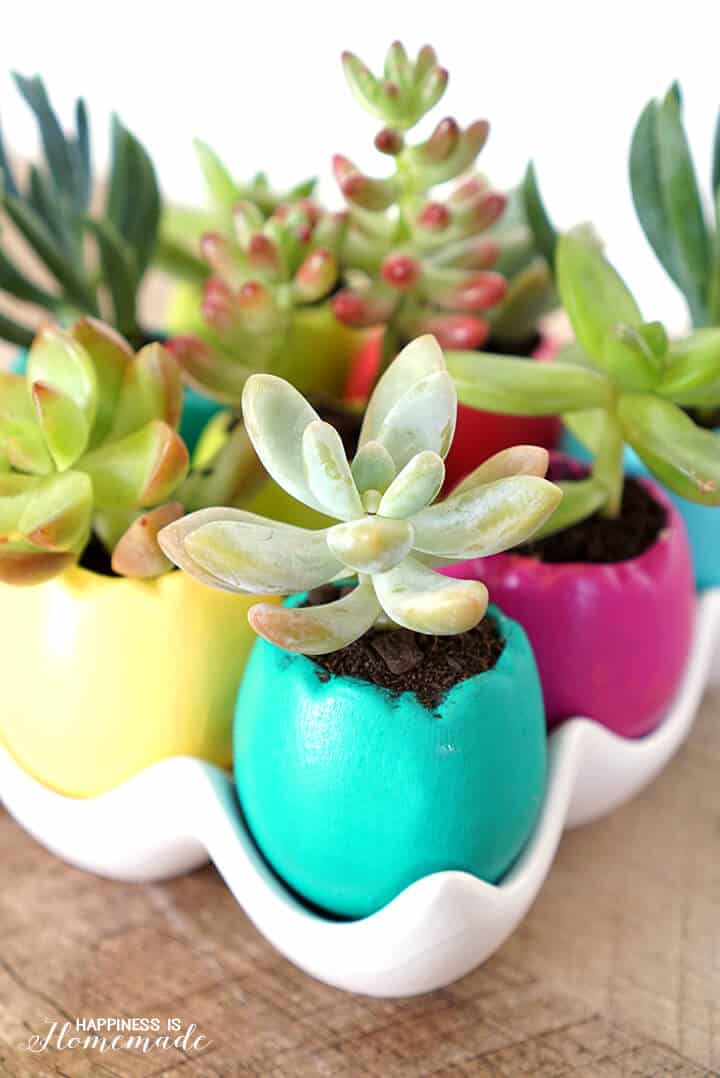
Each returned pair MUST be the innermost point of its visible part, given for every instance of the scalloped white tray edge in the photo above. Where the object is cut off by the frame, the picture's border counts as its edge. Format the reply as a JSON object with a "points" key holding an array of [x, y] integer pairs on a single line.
{"points": [[173, 817]]}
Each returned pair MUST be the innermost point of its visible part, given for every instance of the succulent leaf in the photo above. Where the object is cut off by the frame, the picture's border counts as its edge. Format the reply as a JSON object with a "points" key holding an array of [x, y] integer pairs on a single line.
{"points": [[59, 362], [422, 419], [683, 456], [319, 629], [110, 354], [593, 293], [140, 469], [483, 520], [327, 471], [415, 487], [421, 600], [64, 426], [276, 416], [373, 468], [692, 370], [418, 360], [138, 553], [371, 545], [151, 389], [518, 460], [57, 514], [524, 387]]}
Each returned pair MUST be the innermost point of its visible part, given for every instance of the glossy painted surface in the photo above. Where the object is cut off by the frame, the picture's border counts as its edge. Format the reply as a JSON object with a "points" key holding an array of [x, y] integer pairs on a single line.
{"points": [[103, 676], [352, 794], [702, 521], [611, 641]]}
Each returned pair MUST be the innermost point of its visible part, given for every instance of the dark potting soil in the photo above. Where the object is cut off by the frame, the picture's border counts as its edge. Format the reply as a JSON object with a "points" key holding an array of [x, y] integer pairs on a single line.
{"points": [[603, 540], [402, 661], [96, 559]]}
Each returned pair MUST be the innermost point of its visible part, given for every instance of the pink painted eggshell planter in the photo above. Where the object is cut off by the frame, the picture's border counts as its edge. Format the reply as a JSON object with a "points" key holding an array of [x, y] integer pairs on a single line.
{"points": [[611, 641]]}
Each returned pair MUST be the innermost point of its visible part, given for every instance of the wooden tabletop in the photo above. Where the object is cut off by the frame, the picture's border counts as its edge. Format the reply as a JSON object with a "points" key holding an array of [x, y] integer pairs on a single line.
{"points": [[615, 972]]}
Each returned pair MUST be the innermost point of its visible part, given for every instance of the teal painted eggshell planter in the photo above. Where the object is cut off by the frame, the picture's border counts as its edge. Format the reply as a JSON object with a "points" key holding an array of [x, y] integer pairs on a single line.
{"points": [[353, 794], [197, 410], [702, 521]]}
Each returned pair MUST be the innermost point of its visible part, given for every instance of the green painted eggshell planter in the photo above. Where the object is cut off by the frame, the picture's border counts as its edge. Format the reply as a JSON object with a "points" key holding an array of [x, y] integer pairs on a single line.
{"points": [[352, 793]]}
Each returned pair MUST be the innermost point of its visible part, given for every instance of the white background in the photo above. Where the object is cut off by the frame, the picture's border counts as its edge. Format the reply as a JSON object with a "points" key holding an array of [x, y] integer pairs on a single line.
{"points": [[562, 82]]}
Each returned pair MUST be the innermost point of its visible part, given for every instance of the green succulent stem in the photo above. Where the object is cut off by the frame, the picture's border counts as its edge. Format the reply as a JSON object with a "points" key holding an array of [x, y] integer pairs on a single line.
{"points": [[608, 466]]}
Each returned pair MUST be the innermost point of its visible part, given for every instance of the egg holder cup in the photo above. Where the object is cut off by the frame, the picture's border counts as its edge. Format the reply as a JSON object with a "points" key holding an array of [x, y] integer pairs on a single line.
{"points": [[173, 817]]}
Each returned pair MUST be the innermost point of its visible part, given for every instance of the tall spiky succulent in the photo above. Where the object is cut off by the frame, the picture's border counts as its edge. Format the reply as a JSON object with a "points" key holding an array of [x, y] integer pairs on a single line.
{"points": [[389, 527], [261, 278], [181, 227], [53, 212], [413, 261], [669, 205], [624, 381], [88, 444]]}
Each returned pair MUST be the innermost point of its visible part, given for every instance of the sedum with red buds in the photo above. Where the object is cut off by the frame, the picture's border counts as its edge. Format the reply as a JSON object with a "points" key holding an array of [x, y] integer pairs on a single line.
{"points": [[414, 261], [89, 447], [261, 275]]}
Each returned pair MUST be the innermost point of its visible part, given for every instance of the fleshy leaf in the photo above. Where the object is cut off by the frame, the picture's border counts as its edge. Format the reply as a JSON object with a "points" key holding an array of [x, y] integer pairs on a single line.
{"points": [[276, 416], [141, 469], [692, 372], [327, 472], [373, 468], [685, 458], [417, 485], [57, 514], [318, 630], [110, 354], [580, 499], [419, 359], [593, 293], [238, 551], [24, 565], [422, 419], [371, 545], [420, 599], [486, 519], [589, 427], [518, 460], [151, 389], [21, 441], [61, 363], [525, 387], [65, 427], [138, 552]]}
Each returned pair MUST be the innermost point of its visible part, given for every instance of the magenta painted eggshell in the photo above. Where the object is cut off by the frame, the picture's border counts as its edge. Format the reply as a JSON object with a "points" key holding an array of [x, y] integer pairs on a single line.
{"points": [[611, 641]]}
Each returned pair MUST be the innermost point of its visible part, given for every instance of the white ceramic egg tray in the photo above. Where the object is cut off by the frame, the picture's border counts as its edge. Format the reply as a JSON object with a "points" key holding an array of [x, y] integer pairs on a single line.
{"points": [[173, 817]]}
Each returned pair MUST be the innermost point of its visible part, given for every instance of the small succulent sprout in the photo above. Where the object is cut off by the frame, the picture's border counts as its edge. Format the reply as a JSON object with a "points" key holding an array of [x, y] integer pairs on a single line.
{"points": [[413, 261], [259, 280], [95, 259], [389, 526], [624, 381]]}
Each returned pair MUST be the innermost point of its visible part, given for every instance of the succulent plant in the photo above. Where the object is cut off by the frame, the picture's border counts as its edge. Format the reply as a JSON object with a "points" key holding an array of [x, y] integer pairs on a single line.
{"points": [[623, 382], [54, 215], [389, 529], [670, 207], [181, 227], [413, 261], [88, 444], [261, 277], [526, 239]]}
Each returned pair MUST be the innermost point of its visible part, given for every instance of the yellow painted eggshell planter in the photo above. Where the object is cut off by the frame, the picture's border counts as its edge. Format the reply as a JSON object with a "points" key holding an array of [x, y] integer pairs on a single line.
{"points": [[103, 676]]}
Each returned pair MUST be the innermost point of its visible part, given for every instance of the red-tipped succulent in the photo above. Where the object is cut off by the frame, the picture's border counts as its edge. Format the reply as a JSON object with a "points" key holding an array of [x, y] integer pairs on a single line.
{"points": [[259, 278], [414, 261]]}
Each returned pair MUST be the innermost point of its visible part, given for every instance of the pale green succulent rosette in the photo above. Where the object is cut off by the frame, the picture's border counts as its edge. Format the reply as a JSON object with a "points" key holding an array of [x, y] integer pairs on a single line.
{"points": [[389, 530]]}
